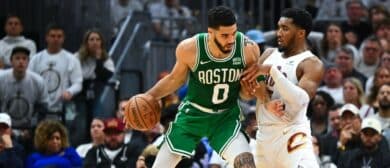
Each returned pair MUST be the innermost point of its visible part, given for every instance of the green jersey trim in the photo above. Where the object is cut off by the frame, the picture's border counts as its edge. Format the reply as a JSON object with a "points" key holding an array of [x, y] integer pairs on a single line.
{"points": [[197, 55], [216, 59], [242, 50]]}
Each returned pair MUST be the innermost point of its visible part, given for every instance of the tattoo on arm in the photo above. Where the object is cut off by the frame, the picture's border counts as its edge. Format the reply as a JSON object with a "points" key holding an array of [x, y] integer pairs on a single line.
{"points": [[247, 42], [244, 160]]}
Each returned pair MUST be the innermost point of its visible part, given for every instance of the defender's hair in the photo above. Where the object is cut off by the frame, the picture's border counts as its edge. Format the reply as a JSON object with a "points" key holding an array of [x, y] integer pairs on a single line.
{"points": [[301, 18], [220, 16]]}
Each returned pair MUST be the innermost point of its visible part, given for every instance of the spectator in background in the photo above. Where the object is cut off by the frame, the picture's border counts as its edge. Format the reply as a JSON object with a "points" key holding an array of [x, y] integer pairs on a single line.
{"points": [[60, 70], [51, 143], [147, 157], [334, 121], [319, 111], [344, 61], [368, 153], [369, 60], [384, 63], [13, 28], [333, 80], [11, 153], [381, 76], [382, 31], [355, 28], [331, 10], [383, 115], [377, 14], [23, 93], [332, 41], [113, 152], [97, 136], [24, 96], [169, 20], [97, 68], [383, 98], [258, 37], [122, 8]]}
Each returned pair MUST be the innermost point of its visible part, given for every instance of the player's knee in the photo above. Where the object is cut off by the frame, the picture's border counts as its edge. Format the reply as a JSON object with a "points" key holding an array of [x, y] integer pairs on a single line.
{"points": [[244, 160]]}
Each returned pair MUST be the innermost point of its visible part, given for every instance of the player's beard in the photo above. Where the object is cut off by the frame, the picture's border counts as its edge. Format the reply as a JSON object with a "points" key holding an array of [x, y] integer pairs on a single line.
{"points": [[220, 47]]}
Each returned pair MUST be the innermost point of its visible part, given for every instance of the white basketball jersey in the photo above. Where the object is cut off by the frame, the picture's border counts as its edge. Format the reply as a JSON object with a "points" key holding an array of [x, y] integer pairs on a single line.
{"points": [[288, 67], [284, 141]]}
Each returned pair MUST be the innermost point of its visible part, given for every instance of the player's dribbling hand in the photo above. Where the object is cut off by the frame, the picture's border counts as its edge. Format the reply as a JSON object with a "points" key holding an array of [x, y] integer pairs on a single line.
{"points": [[276, 107]]}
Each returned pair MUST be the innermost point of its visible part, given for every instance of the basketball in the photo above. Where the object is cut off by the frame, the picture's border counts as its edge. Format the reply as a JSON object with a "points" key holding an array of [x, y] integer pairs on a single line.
{"points": [[142, 112]]}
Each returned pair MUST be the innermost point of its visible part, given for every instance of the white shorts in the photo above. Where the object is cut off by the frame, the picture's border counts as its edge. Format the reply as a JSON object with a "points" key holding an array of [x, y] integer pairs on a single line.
{"points": [[284, 148]]}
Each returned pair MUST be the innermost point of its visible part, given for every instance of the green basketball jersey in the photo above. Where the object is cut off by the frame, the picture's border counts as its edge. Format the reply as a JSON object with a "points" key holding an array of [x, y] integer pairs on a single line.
{"points": [[215, 83]]}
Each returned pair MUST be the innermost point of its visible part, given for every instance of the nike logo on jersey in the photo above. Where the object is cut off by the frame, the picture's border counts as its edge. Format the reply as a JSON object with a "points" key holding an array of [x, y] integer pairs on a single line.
{"points": [[204, 62]]}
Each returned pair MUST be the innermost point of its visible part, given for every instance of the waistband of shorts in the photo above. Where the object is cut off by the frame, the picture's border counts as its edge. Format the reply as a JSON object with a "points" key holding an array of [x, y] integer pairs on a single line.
{"points": [[207, 110]]}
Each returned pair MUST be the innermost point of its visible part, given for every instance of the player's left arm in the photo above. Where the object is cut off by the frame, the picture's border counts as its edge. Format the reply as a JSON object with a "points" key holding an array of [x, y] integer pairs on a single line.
{"points": [[298, 96], [251, 54]]}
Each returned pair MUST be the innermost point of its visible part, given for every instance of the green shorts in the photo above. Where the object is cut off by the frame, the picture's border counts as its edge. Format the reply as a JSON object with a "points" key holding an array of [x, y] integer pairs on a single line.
{"points": [[192, 124]]}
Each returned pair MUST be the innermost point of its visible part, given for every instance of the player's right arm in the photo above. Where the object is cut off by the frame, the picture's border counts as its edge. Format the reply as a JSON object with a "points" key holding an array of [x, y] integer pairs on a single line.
{"points": [[170, 83]]}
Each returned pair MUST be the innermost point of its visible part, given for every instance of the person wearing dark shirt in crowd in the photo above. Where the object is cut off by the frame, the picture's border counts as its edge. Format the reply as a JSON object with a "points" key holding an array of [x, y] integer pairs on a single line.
{"points": [[97, 68], [114, 152], [11, 153], [318, 110], [345, 62], [356, 30], [368, 153]]}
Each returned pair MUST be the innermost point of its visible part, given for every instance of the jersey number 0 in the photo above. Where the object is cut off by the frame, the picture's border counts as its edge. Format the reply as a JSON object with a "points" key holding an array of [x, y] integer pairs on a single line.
{"points": [[220, 93]]}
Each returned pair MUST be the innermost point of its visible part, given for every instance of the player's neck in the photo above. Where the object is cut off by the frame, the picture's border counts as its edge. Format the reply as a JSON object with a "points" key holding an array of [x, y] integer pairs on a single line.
{"points": [[295, 49], [19, 75], [215, 51]]}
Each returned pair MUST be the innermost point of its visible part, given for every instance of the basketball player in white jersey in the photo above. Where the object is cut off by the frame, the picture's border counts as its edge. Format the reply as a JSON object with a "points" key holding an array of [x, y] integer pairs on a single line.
{"points": [[284, 81]]}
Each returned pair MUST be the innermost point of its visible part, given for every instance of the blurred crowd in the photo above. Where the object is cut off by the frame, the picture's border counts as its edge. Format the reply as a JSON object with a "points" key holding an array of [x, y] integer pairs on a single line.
{"points": [[44, 93]]}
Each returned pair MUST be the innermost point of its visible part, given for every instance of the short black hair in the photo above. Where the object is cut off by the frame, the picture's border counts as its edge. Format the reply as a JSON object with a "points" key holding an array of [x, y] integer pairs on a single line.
{"points": [[53, 26], [11, 15], [300, 18], [18, 49], [221, 16]]}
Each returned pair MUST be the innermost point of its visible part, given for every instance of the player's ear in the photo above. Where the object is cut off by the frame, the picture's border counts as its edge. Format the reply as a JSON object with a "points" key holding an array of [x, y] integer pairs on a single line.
{"points": [[302, 33], [210, 30]]}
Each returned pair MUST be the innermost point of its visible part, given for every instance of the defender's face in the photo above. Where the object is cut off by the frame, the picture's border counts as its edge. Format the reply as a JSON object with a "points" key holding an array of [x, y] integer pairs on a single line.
{"points": [[224, 37], [286, 32]]}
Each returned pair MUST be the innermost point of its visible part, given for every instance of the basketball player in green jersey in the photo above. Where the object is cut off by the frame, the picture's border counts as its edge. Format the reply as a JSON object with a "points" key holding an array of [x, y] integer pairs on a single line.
{"points": [[213, 63]]}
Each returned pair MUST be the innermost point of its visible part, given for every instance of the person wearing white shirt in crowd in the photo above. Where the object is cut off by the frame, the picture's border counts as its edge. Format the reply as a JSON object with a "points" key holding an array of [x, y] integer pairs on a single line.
{"points": [[13, 28], [121, 8], [371, 53], [22, 90], [97, 136], [161, 13], [60, 69], [333, 79]]}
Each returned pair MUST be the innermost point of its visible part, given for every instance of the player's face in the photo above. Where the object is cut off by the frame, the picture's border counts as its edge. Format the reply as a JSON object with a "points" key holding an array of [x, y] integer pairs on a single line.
{"points": [[94, 42], [19, 62], [55, 39], [224, 37], [286, 33], [13, 26], [97, 127]]}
